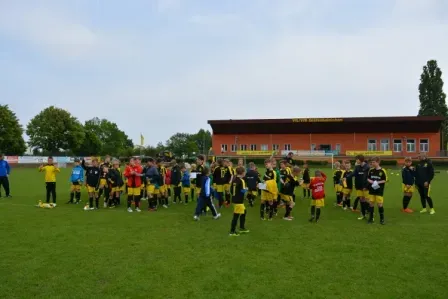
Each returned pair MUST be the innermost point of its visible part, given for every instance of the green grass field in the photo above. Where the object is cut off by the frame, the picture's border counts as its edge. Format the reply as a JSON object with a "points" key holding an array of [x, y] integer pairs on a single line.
{"points": [[70, 253]]}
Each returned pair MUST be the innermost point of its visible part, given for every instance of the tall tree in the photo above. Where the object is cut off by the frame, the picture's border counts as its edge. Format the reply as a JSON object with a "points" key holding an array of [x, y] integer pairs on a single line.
{"points": [[160, 147], [181, 144], [203, 140], [432, 98], [91, 146], [55, 129], [113, 140], [11, 139]]}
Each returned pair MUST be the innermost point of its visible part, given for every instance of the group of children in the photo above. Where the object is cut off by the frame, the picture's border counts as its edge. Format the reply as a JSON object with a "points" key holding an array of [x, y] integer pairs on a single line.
{"points": [[157, 182], [369, 182]]}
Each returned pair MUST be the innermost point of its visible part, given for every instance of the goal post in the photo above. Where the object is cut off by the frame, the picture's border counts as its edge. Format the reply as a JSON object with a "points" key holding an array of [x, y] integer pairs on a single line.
{"points": [[313, 157]]}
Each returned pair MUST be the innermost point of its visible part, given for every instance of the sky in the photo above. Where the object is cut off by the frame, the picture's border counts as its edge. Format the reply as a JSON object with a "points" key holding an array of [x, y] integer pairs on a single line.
{"points": [[159, 67]]}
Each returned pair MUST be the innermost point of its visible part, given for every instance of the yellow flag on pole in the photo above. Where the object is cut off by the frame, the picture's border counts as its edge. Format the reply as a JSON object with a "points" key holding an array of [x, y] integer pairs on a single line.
{"points": [[142, 139]]}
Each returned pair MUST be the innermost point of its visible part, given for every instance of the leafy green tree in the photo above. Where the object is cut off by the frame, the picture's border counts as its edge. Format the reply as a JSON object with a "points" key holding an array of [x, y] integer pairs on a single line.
{"points": [[181, 144], [151, 151], [203, 140], [160, 147], [432, 98], [55, 129], [113, 140], [128, 152], [11, 139], [91, 146]]}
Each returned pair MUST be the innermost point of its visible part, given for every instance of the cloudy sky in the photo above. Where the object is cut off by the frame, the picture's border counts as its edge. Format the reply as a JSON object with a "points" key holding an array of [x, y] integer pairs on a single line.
{"points": [[164, 66]]}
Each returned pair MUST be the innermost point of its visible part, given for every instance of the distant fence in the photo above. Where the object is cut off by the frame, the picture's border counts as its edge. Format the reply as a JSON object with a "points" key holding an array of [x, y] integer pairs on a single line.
{"points": [[36, 159]]}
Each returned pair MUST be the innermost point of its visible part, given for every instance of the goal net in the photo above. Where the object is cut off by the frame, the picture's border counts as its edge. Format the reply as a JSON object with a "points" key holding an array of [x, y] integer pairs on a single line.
{"points": [[314, 158]]}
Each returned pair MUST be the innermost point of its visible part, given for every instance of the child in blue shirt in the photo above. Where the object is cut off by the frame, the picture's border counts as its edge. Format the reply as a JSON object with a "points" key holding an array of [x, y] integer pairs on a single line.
{"points": [[186, 183], [76, 180]]}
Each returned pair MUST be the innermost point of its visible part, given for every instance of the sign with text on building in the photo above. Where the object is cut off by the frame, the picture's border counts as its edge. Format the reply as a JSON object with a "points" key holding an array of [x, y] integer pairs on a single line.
{"points": [[369, 153], [255, 153], [304, 153], [317, 120]]}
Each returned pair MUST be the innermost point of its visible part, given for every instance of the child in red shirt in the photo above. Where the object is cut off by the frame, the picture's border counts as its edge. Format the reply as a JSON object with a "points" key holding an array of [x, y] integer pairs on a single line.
{"points": [[317, 186], [168, 182], [133, 173]]}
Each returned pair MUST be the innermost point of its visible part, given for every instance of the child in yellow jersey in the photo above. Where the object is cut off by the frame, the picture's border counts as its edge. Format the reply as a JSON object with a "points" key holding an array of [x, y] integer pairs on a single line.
{"points": [[238, 190], [269, 195], [347, 185], [337, 182], [50, 170]]}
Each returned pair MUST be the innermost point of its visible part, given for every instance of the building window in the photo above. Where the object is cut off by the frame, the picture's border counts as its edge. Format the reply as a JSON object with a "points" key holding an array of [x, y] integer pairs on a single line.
{"points": [[234, 148], [398, 146], [287, 147], [313, 147], [275, 147], [410, 145], [264, 147], [424, 145], [385, 145], [243, 147], [223, 148], [371, 145], [338, 148], [253, 147]]}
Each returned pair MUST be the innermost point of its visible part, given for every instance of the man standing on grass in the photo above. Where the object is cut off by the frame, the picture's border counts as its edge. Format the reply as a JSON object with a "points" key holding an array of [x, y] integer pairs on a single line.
{"points": [[4, 175], [424, 175]]}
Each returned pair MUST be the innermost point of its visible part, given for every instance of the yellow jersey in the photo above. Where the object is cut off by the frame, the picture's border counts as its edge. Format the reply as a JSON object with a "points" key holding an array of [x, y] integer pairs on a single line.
{"points": [[50, 172]]}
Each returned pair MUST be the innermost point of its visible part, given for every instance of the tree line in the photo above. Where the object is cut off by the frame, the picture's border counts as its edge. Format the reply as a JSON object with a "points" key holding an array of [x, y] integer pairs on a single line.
{"points": [[54, 131]]}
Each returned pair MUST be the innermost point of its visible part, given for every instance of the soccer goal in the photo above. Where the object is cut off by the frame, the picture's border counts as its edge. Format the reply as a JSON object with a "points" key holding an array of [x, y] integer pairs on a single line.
{"points": [[316, 157]]}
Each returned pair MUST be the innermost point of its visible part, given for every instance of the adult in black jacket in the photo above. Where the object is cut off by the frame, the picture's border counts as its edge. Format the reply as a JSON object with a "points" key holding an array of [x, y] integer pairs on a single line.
{"points": [[424, 174], [176, 176]]}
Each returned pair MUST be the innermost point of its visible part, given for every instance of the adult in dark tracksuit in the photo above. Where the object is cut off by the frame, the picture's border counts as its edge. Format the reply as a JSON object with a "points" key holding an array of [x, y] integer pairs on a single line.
{"points": [[4, 175], [204, 198], [424, 174], [176, 177]]}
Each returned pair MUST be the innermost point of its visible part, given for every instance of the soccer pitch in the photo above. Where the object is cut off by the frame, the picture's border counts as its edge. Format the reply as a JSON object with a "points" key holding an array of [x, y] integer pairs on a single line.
{"points": [[70, 253]]}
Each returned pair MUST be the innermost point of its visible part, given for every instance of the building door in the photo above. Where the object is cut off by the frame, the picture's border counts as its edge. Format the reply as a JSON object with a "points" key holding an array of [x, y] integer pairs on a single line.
{"points": [[338, 148]]}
